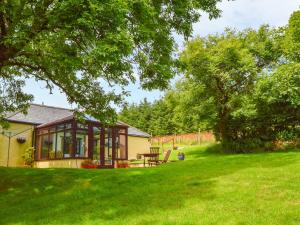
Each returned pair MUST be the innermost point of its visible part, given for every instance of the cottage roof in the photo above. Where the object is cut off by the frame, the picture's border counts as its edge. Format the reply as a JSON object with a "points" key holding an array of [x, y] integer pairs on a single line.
{"points": [[42, 114]]}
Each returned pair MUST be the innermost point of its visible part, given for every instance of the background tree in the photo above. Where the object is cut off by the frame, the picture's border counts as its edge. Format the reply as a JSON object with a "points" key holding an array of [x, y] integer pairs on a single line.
{"points": [[81, 46], [138, 115], [12, 98], [245, 86], [154, 118], [277, 102], [225, 69]]}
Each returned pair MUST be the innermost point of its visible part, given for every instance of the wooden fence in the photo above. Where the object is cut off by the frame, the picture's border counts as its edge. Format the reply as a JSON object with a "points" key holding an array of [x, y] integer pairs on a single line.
{"points": [[191, 138]]}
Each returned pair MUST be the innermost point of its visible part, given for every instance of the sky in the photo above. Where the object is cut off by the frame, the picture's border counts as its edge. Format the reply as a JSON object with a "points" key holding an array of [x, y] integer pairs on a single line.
{"points": [[239, 14]]}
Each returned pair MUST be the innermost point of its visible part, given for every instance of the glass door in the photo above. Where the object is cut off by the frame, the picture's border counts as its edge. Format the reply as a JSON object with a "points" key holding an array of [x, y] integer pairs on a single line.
{"points": [[107, 150], [96, 145]]}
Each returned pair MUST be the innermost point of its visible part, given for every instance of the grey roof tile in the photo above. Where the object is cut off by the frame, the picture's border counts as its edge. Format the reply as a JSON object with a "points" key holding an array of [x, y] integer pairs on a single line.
{"points": [[43, 114], [39, 114]]}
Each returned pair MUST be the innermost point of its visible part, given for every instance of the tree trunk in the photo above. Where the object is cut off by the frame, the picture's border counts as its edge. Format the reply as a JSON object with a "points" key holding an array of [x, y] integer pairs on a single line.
{"points": [[223, 125]]}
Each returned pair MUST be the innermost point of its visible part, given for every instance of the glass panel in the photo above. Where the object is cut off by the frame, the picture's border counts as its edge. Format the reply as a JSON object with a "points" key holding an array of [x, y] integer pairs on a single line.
{"points": [[60, 127], [67, 144], [51, 145], [108, 147], [81, 144], [68, 126], [44, 147], [121, 147], [59, 144], [96, 144], [82, 126]]}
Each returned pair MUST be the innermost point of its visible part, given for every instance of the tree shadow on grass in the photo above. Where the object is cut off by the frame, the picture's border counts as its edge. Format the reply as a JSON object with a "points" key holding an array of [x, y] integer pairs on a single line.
{"points": [[69, 197], [66, 196]]}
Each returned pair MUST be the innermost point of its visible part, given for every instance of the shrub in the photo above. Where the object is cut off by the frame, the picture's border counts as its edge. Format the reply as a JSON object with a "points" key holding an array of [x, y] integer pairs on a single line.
{"points": [[287, 135], [246, 145], [29, 156]]}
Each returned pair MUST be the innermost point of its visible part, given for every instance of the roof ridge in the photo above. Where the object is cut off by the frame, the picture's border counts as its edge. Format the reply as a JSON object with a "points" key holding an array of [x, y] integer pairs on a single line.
{"points": [[135, 128], [49, 106]]}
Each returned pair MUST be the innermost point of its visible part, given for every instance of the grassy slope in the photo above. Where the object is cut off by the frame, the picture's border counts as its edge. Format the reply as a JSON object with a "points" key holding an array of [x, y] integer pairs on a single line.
{"points": [[204, 189]]}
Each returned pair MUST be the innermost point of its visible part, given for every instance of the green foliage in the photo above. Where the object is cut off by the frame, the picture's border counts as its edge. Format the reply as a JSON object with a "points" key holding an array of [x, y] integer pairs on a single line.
{"points": [[153, 118], [246, 145], [29, 156], [292, 43], [226, 70], [245, 86], [287, 135], [276, 99], [249, 84], [12, 97], [83, 46]]}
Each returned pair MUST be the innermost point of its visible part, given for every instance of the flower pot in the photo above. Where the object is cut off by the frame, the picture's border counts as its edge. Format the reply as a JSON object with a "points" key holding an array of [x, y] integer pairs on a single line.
{"points": [[122, 164], [181, 157], [88, 164], [21, 140]]}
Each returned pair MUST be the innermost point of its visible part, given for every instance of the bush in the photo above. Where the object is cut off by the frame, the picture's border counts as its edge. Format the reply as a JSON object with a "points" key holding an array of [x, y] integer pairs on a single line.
{"points": [[246, 146], [287, 135], [29, 156]]}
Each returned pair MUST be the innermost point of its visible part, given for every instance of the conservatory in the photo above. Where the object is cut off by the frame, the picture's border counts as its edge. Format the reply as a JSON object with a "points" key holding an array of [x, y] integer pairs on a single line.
{"points": [[67, 141]]}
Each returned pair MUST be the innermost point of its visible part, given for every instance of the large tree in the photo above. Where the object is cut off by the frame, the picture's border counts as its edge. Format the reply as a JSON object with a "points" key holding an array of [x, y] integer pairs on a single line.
{"points": [[82, 45], [243, 85], [223, 69]]}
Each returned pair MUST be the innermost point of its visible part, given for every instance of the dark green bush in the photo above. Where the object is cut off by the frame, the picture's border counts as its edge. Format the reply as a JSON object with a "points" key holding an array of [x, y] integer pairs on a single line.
{"points": [[246, 146], [288, 135]]}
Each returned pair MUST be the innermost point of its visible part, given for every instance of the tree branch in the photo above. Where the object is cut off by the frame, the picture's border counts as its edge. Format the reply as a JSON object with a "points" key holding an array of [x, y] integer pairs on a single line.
{"points": [[2, 26]]}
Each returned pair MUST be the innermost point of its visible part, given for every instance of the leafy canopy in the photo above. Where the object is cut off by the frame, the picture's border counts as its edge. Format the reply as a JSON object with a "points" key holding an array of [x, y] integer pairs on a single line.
{"points": [[81, 46], [241, 84], [225, 69]]}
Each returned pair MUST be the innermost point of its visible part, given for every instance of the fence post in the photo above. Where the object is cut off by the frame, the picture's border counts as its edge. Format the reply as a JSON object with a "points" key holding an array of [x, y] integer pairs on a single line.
{"points": [[175, 138], [199, 141]]}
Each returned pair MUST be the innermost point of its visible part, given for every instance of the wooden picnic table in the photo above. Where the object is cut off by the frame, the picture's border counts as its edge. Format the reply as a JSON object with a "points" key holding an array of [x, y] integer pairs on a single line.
{"points": [[148, 155]]}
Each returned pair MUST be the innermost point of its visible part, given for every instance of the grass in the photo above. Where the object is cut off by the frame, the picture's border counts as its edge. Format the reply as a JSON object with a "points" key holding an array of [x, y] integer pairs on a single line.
{"points": [[207, 188]]}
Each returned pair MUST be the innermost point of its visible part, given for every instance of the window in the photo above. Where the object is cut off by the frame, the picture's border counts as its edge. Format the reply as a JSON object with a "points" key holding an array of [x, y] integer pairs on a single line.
{"points": [[59, 143], [82, 126], [44, 147], [71, 140], [51, 145], [67, 143], [55, 142], [121, 144], [96, 143], [81, 144], [108, 148]]}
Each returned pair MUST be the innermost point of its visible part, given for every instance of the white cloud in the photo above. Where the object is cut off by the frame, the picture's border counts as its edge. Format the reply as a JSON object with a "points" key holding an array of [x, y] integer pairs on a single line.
{"points": [[243, 14]]}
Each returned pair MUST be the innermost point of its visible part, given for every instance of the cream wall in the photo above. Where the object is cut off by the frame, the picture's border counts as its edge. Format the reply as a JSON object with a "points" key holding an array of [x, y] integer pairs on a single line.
{"points": [[137, 145], [63, 163], [16, 149]]}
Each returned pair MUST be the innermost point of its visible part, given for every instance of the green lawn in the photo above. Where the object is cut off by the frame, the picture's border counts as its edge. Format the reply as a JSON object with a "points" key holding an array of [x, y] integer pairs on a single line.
{"points": [[207, 188]]}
